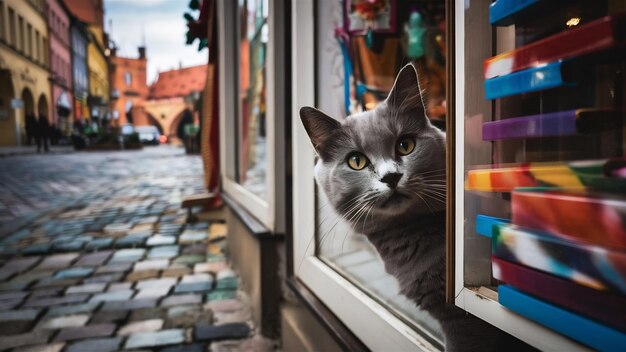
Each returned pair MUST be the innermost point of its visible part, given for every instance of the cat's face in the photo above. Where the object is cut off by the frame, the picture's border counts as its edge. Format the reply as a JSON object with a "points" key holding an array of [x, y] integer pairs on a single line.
{"points": [[382, 164]]}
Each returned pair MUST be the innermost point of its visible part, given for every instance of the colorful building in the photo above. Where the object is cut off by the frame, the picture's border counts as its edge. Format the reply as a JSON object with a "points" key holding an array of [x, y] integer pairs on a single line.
{"points": [[59, 21], [24, 85], [91, 14], [80, 75], [129, 86]]}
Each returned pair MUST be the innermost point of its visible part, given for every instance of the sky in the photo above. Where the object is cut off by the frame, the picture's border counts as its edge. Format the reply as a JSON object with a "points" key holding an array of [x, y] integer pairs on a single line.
{"points": [[164, 27]]}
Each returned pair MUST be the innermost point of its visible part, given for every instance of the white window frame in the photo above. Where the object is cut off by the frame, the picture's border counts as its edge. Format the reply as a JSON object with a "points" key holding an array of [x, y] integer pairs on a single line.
{"points": [[264, 210], [484, 304], [377, 327]]}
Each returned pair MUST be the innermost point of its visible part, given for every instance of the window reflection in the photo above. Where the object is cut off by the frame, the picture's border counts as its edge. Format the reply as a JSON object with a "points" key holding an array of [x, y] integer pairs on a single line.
{"points": [[252, 94]]}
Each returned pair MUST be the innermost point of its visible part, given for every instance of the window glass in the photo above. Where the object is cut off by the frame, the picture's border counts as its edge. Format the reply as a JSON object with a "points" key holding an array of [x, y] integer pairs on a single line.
{"points": [[358, 58], [253, 38], [128, 78]]}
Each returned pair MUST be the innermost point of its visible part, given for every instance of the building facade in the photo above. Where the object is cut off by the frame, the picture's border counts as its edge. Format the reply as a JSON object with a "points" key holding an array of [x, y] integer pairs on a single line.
{"points": [[59, 22], [129, 85], [80, 73], [24, 62]]}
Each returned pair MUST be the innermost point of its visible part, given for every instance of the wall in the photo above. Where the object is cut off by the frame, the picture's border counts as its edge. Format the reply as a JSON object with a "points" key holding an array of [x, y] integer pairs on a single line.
{"points": [[60, 61], [24, 66], [134, 92]]}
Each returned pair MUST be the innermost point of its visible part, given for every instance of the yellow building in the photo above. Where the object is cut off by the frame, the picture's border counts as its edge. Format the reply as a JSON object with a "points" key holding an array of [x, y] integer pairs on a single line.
{"points": [[98, 66], [24, 84]]}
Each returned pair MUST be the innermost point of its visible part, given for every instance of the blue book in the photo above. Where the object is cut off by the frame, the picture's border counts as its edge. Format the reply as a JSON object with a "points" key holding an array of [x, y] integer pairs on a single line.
{"points": [[525, 81], [485, 224], [503, 12], [574, 326]]}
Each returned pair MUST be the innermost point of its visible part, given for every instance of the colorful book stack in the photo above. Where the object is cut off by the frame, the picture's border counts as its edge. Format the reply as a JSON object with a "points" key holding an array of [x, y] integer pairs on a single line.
{"points": [[561, 257]]}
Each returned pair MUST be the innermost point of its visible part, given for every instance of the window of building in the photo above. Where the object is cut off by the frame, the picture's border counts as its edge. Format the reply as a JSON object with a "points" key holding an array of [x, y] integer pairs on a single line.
{"points": [[12, 28], [22, 37], [2, 22], [128, 78], [44, 52], [29, 42], [353, 59]]}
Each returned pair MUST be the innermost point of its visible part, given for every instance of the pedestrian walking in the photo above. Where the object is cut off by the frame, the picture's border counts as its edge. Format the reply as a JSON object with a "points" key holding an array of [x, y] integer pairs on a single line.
{"points": [[43, 133]]}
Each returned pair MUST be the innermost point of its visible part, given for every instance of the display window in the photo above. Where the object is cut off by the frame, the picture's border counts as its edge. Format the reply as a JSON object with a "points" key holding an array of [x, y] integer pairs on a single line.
{"points": [[353, 51], [539, 195]]}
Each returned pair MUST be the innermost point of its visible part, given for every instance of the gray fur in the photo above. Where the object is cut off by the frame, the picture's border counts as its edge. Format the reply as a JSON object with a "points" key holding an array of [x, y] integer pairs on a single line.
{"points": [[409, 239]]}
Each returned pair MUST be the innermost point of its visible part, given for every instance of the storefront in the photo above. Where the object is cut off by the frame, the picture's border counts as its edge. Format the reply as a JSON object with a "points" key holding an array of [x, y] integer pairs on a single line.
{"points": [[528, 127]]}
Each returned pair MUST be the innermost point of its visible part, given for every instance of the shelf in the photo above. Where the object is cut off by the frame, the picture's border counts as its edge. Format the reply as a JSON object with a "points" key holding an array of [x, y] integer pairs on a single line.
{"points": [[530, 80], [592, 37]]}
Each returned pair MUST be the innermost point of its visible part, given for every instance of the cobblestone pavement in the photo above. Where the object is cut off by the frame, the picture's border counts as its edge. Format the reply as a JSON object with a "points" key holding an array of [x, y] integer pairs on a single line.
{"points": [[96, 255]]}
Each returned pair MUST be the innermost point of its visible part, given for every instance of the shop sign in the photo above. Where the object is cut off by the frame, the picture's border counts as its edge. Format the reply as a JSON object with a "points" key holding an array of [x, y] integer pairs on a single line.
{"points": [[17, 103]]}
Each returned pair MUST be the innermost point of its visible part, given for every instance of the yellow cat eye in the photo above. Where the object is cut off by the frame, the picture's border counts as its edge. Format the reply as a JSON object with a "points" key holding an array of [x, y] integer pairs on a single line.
{"points": [[357, 161], [405, 146]]}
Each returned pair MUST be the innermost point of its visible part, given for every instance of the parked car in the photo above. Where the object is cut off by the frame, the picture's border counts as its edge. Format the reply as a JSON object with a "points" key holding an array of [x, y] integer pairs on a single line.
{"points": [[148, 134]]}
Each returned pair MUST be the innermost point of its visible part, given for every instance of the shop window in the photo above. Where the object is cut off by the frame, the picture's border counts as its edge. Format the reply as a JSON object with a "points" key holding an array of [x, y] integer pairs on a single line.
{"points": [[253, 40], [2, 22], [357, 55], [12, 28]]}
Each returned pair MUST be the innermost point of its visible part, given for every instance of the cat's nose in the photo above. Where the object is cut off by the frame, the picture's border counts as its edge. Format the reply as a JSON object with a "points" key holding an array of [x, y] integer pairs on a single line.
{"points": [[391, 179]]}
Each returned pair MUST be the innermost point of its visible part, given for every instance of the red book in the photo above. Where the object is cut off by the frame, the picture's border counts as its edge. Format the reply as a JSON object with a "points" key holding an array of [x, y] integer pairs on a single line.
{"points": [[604, 307], [601, 34]]}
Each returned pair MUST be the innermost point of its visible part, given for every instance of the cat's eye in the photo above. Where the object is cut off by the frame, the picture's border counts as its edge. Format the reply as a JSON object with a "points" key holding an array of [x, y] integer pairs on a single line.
{"points": [[357, 161], [405, 145]]}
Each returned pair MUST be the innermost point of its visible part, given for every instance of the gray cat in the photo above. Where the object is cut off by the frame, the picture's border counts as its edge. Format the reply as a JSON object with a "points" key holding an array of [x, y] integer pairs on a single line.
{"points": [[384, 171]]}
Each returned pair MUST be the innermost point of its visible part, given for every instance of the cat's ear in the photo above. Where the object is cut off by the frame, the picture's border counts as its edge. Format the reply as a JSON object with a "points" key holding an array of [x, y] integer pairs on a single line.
{"points": [[405, 96], [318, 125]]}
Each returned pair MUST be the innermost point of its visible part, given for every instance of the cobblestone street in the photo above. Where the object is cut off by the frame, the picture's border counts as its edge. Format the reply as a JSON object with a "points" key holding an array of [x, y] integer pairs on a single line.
{"points": [[97, 255]]}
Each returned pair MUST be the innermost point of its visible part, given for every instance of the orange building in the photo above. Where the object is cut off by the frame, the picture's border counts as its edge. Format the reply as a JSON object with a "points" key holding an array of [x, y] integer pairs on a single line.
{"points": [[129, 86]]}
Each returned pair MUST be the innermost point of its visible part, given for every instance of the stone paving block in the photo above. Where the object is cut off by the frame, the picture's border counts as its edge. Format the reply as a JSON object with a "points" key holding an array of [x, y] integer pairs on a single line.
{"points": [[155, 339], [85, 332], [73, 273], [142, 275], [190, 259], [177, 300], [20, 314], [121, 295], [104, 278], [70, 246], [99, 243], [17, 265], [175, 271], [110, 316], [217, 231], [63, 322], [94, 259], [117, 228], [130, 241], [194, 347], [127, 255], [210, 267], [153, 264], [191, 287], [54, 301], [226, 273], [155, 283], [52, 282], [221, 332], [239, 316], [160, 240], [46, 292], [140, 326], [192, 236], [13, 286], [196, 248], [187, 317], [202, 277], [13, 295], [163, 252], [256, 344], [32, 276], [32, 338], [147, 314], [51, 347], [87, 288], [122, 286], [57, 261], [38, 248], [229, 283], [96, 345], [154, 292], [130, 304], [226, 305], [114, 268], [72, 309], [7, 304]]}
